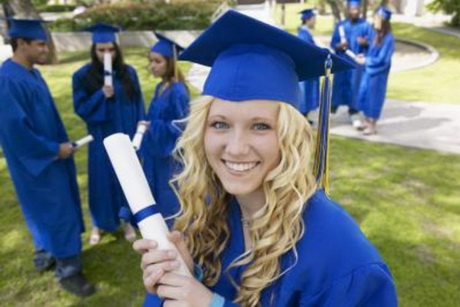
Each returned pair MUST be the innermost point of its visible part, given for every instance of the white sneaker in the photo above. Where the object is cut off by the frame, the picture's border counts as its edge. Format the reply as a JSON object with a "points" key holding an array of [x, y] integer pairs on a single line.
{"points": [[356, 121]]}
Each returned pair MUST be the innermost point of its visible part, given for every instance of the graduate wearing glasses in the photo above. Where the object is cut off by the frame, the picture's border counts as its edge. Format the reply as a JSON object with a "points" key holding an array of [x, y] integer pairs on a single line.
{"points": [[253, 218]]}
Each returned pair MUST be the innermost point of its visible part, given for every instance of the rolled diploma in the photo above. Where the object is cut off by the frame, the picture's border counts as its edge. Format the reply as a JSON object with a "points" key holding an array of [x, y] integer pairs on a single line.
{"points": [[137, 192], [83, 141], [137, 139], [351, 54], [343, 38], [108, 79]]}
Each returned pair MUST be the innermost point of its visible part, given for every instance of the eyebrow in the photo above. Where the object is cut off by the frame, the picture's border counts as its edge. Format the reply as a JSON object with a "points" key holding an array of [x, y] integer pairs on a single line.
{"points": [[253, 119]]}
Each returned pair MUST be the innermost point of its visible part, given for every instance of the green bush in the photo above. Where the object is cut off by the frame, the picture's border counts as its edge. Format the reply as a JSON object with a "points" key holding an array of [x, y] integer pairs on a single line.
{"points": [[144, 16], [56, 8], [449, 7]]}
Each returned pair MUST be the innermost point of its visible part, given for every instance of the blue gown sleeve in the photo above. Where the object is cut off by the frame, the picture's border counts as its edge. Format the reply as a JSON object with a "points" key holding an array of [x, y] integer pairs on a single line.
{"points": [[90, 107], [335, 37], [369, 285], [163, 133], [18, 133], [382, 61], [305, 36]]}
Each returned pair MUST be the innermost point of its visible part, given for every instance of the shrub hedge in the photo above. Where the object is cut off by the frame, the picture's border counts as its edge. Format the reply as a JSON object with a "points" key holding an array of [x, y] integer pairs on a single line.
{"points": [[143, 16]]}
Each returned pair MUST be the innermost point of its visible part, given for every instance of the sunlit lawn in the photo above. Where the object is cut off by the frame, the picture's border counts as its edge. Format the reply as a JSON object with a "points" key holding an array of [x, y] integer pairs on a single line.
{"points": [[406, 201]]}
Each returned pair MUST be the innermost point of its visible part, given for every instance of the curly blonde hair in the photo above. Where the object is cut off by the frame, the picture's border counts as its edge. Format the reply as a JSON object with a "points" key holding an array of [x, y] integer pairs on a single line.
{"points": [[204, 203]]}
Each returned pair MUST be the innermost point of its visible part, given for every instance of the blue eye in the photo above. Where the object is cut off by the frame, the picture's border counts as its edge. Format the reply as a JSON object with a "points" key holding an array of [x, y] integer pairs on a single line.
{"points": [[219, 125], [261, 126]]}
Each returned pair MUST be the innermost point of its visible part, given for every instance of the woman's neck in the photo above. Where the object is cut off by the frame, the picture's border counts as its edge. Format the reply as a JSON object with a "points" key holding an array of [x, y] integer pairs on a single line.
{"points": [[250, 204]]}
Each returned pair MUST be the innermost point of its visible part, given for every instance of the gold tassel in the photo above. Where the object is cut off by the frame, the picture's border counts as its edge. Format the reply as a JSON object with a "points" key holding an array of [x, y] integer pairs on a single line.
{"points": [[321, 164]]}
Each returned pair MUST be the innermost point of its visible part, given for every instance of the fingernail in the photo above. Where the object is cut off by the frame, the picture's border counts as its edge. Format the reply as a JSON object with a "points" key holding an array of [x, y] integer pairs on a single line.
{"points": [[172, 254], [175, 264]]}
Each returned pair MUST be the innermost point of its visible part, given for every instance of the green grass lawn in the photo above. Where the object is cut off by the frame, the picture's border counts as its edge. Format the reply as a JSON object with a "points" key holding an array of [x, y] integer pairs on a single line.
{"points": [[437, 83], [406, 201]]}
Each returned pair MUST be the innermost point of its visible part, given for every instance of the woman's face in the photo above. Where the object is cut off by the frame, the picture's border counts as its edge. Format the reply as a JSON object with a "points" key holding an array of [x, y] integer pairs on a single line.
{"points": [[158, 64], [102, 48], [377, 22], [241, 143]]}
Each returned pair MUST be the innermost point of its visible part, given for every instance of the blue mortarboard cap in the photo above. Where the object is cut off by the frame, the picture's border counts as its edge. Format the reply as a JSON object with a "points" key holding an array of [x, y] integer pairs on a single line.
{"points": [[27, 28], [354, 2], [308, 13], [165, 46], [384, 13], [103, 33], [253, 60]]}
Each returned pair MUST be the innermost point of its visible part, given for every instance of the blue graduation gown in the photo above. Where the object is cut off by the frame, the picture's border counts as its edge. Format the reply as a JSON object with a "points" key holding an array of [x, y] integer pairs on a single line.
{"points": [[346, 84], [375, 79], [104, 117], [309, 90], [30, 133], [159, 142], [337, 265]]}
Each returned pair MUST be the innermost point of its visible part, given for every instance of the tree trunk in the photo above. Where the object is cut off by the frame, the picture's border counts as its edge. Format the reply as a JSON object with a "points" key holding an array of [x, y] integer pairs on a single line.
{"points": [[336, 7], [365, 9], [25, 9]]}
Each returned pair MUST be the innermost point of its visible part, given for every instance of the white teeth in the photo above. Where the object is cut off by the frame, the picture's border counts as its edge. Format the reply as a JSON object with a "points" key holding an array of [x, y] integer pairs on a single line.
{"points": [[240, 167]]}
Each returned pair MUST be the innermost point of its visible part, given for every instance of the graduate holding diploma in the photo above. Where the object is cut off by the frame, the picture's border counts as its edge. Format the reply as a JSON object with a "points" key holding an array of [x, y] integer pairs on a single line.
{"points": [[39, 158], [252, 217], [107, 96], [168, 106], [377, 66], [350, 38]]}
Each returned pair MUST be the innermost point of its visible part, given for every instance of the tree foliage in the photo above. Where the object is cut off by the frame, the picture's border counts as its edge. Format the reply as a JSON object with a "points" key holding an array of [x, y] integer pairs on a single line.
{"points": [[449, 7]]}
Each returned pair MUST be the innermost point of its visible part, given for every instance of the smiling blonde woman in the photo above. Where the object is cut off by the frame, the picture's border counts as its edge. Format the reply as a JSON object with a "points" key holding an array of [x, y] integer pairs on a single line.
{"points": [[253, 226]]}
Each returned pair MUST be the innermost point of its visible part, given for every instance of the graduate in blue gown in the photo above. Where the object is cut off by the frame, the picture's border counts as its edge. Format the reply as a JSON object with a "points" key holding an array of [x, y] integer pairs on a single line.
{"points": [[309, 90], [350, 38], [169, 105], [39, 158], [106, 109], [377, 66], [256, 228]]}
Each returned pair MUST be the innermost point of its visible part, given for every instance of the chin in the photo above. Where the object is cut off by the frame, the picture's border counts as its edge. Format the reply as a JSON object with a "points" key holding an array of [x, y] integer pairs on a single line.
{"points": [[239, 189]]}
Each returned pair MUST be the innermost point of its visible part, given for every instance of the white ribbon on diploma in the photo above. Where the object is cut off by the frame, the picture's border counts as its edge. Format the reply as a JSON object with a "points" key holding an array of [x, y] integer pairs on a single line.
{"points": [[137, 192], [108, 78], [343, 38], [83, 141]]}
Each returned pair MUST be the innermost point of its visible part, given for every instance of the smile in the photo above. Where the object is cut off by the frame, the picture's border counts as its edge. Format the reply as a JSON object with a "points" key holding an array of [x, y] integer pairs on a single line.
{"points": [[240, 167]]}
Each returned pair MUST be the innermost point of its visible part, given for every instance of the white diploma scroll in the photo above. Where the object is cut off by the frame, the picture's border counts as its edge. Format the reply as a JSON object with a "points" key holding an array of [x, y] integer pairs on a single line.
{"points": [[137, 192], [137, 139], [343, 38], [108, 79], [351, 54], [83, 141]]}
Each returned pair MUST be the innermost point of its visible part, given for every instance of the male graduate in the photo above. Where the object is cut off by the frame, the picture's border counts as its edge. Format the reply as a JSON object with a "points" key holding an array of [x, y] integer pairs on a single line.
{"points": [[39, 158], [309, 89], [350, 38]]}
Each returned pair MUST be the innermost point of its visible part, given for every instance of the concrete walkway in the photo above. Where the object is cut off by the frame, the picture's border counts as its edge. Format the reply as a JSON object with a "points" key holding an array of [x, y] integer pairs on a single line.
{"points": [[411, 124]]}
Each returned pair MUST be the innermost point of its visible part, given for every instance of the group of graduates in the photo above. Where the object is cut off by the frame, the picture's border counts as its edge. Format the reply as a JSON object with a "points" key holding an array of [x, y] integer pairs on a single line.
{"points": [[369, 46], [251, 222], [39, 153]]}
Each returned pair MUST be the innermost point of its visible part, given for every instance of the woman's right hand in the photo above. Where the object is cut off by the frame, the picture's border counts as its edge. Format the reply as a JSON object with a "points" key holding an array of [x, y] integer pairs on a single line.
{"points": [[107, 90], [155, 263]]}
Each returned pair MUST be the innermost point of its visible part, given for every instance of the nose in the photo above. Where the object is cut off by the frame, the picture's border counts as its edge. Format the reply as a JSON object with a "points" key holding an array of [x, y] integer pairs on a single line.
{"points": [[238, 143]]}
